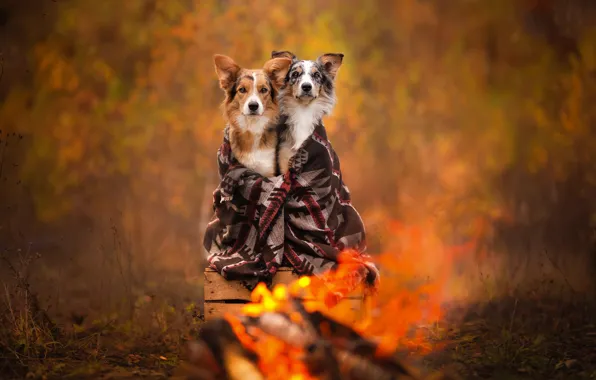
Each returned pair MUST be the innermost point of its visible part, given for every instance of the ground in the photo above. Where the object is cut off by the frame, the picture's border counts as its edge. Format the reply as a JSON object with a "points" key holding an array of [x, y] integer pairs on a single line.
{"points": [[516, 338], [509, 338]]}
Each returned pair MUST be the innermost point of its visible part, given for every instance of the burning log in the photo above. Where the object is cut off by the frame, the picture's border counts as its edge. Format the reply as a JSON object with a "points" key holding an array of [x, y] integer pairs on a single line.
{"points": [[289, 333], [220, 355], [279, 337]]}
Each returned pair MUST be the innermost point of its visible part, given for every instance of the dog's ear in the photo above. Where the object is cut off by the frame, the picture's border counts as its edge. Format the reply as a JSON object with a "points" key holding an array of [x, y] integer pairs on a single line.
{"points": [[227, 70], [284, 54], [277, 69], [331, 63]]}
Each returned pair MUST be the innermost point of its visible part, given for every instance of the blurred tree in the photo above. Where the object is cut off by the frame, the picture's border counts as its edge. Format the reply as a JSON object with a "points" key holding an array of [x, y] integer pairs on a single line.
{"points": [[448, 109]]}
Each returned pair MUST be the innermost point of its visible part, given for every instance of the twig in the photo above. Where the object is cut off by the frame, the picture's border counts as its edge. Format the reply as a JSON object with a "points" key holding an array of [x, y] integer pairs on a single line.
{"points": [[9, 303], [2, 155], [126, 280], [513, 316], [359, 368], [560, 271], [32, 302], [1, 66]]}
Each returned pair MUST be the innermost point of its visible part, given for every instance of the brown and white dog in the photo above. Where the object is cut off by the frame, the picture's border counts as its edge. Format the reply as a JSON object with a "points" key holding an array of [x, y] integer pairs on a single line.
{"points": [[306, 94], [251, 110]]}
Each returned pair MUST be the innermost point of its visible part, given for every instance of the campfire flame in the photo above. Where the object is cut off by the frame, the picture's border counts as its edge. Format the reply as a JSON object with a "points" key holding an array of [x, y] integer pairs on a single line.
{"points": [[284, 327]]}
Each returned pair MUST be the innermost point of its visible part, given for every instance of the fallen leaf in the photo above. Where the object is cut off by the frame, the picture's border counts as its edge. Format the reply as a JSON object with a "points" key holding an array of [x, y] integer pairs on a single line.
{"points": [[571, 363], [539, 339]]}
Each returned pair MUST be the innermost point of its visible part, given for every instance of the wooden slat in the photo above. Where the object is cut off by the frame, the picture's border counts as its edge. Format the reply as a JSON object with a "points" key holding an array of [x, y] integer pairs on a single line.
{"points": [[347, 311], [215, 310], [218, 288]]}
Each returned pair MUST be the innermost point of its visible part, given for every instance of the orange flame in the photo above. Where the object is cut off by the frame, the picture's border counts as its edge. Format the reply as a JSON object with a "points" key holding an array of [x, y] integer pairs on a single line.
{"points": [[415, 276]]}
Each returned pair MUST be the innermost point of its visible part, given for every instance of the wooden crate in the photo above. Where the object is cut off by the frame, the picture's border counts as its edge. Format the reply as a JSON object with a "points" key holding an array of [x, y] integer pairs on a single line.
{"points": [[223, 296]]}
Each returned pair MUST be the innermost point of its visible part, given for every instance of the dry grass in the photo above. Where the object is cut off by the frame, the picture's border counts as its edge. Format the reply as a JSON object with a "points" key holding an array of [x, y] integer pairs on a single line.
{"points": [[143, 338], [147, 344], [516, 337], [519, 338]]}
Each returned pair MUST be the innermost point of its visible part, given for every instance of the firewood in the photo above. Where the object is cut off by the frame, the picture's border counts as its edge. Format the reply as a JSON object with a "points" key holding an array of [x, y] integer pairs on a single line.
{"points": [[328, 349], [355, 367], [283, 328], [329, 362], [229, 354], [238, 366], [201, 363], [346, 339], [321, 361]]}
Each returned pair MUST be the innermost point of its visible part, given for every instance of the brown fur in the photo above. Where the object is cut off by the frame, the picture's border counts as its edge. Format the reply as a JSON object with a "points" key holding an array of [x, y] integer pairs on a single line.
{"points": [[253, 137], [331, 63], [285, 151]]}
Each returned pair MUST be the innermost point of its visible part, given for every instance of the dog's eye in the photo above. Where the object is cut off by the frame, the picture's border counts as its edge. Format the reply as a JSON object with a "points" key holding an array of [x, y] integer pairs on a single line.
{"points": [[264, 90], [295, 74], [242, 90], [316, 75]]}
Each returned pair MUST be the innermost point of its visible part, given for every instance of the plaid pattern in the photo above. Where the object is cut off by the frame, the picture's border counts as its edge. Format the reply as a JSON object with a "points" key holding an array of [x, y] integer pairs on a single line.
{"points": [[304, 218]]}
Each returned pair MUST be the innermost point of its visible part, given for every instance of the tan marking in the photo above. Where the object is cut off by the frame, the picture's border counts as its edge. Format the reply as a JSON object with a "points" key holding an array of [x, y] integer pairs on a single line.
{"points": [[331, 63], [247, 144], [277, 69]]}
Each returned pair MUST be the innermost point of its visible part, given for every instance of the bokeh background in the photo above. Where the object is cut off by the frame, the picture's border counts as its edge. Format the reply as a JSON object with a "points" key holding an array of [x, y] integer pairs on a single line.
{"points": [[448, 110]]}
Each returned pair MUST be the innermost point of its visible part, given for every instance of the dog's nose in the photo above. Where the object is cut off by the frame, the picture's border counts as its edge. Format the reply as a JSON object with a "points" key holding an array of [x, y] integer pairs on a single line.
{"points": [[253, 106], [306, 87]]}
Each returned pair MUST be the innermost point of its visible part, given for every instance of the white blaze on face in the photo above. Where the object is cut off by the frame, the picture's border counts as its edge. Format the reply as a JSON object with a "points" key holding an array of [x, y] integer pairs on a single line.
{"points": [[306, 75], [253, 99]]}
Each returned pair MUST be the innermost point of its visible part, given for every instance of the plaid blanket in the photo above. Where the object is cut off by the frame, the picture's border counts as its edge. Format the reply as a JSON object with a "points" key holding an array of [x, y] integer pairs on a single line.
{"points": [[303, 218]]}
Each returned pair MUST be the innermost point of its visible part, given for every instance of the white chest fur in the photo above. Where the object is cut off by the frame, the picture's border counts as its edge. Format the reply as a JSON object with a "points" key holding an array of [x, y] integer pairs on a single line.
{"points": [[255, 125], [259, 159], [303, 125], [303, 119]]}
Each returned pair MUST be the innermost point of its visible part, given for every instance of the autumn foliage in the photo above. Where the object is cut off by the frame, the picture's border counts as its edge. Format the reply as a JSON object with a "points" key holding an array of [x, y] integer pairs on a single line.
{"points": [[448, 110]]}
